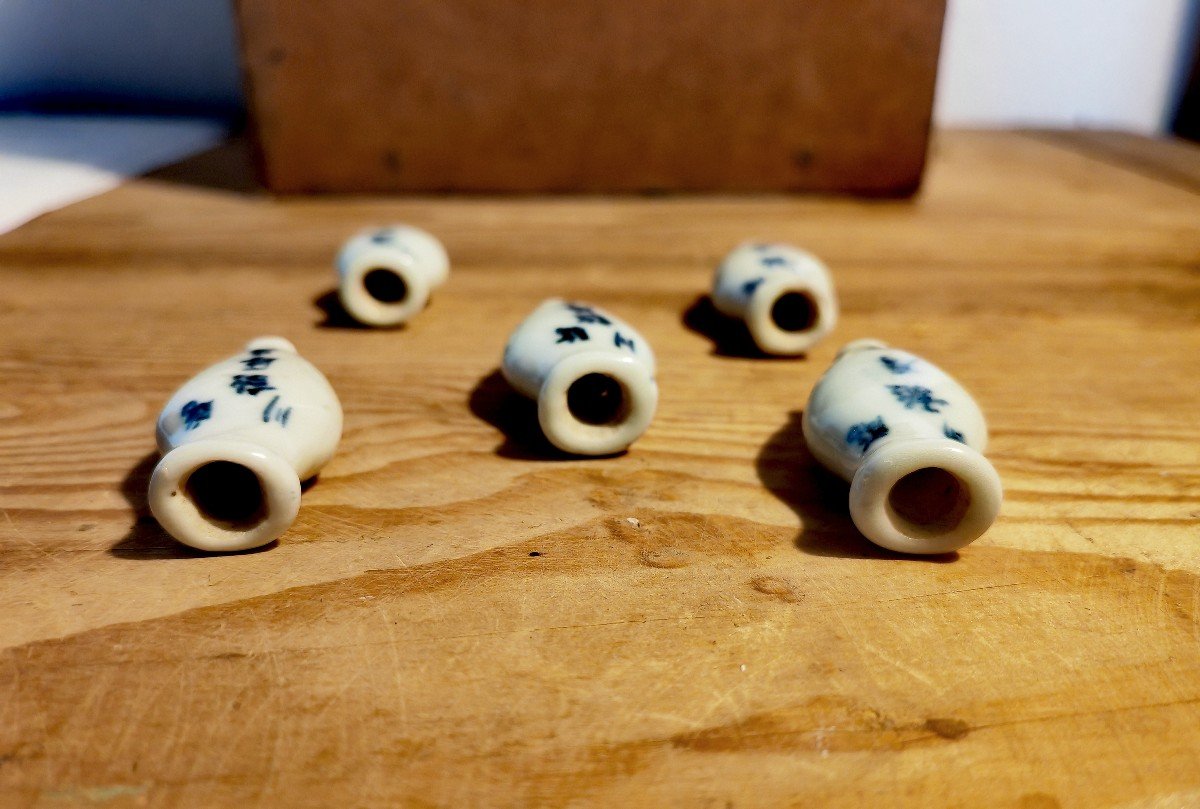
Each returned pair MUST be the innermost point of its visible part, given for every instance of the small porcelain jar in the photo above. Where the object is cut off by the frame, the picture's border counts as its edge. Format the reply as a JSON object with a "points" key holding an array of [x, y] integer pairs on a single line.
{"points": [[237, 439], [909, 439], [784, 295], [386, 274], [591, 373]]}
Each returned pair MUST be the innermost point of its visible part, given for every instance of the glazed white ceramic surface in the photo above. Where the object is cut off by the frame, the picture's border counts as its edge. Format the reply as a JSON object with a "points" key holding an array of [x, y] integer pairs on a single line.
{"points": [[562, 342], [415, 256], [879, 414], [266, 409], [754, 276]]}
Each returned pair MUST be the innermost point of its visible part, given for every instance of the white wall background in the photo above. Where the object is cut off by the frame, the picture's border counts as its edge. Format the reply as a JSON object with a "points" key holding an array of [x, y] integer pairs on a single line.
{"points": [[1095, 63], [1114, 63]]}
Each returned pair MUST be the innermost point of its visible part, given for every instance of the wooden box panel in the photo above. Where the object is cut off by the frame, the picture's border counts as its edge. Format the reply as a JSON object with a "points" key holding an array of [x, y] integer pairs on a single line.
{"points": [[592, 95]]}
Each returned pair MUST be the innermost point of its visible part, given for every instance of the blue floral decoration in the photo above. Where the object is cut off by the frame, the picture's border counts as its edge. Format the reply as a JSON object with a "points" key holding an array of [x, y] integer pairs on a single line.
{"points": [[915, 396], [866, 433]]}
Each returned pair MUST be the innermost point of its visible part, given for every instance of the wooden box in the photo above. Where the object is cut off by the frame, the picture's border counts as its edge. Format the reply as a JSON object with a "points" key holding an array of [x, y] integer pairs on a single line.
{"points": [[591, 95]]}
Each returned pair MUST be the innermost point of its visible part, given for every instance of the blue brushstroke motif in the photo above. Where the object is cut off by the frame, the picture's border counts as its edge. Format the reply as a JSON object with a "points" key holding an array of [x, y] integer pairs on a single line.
{"points": [[953, 434], [252, 384], [866, 433], [266, 416], [257, 362], [586, 314], [195, 412], [281, 415], [897, 366], [749, 287], [914, 396]]}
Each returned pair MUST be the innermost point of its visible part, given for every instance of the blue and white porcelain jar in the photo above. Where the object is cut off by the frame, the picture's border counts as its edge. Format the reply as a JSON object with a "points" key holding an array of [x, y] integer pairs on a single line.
{"points": [[591, 373], [386, 275], [909, 439], [783, 294], [237, 440]]}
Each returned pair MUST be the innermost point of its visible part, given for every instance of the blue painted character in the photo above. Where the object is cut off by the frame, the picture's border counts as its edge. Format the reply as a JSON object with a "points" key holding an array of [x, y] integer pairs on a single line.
{"points": [[258, 359], [569, 334], [281, 414], [620, 341], [774, 261], [914, 396], [252, 384], [866, 433], [953, 434], [749, 287], [193, 413], [382, 236], [897, 366], [586, 314]]}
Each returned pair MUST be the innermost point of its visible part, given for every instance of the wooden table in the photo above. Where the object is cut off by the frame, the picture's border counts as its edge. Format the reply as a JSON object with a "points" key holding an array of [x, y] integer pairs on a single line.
{"points": [[459, 619]]}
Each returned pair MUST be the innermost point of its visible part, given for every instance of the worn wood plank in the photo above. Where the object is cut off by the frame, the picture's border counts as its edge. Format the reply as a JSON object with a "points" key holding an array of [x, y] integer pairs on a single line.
{"points": [[701, 625]]}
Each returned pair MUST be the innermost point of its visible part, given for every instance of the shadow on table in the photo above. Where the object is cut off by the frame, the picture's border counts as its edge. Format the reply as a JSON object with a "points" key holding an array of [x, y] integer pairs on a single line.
{"points": [[729, 336], [146, 538], [336, 316], [494, 401], [227, 167], [821, 499]]}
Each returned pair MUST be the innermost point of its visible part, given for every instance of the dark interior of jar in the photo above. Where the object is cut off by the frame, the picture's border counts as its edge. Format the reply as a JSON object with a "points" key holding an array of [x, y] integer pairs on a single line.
{"points": [[929, 501], [794, 311], [597, 399], [385, 286], [227, 494]]}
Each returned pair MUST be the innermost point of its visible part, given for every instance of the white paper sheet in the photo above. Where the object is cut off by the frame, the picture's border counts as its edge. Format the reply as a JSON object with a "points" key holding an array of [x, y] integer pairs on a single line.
{"points": [[49, 161]]}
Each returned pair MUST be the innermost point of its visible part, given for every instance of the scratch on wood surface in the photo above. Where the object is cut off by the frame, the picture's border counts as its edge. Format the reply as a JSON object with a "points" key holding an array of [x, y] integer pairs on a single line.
{"points": [[598, 625], [19, 534], [1080, 533], [911, 670], [1055, 717], [944, 593], [861, 645], [1196, 609], [97, 794], [1185, 799], [393, 648]]}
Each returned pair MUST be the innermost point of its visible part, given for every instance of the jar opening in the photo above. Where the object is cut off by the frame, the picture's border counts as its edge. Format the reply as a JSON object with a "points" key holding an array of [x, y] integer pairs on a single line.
{"points": [[598, 399], [794, 312], [385, 285], [928, 502], [227, 494]]}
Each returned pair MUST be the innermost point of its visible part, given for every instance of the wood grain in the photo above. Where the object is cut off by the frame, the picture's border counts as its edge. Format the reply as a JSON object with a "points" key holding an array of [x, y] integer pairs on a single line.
{"points": [[459, 617]]}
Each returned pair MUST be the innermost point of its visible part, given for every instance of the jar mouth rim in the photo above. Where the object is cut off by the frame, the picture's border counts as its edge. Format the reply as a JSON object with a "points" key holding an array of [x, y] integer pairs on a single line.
{"points": [[252, 501], [360, 297], [562, 423], [763, 321], [924, 495]]}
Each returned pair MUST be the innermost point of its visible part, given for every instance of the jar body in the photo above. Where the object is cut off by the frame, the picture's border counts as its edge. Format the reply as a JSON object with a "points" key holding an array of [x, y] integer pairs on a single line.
{"points": [[910, 440], [783, 294], [592, 374], [237, 439], [386, 275]]}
